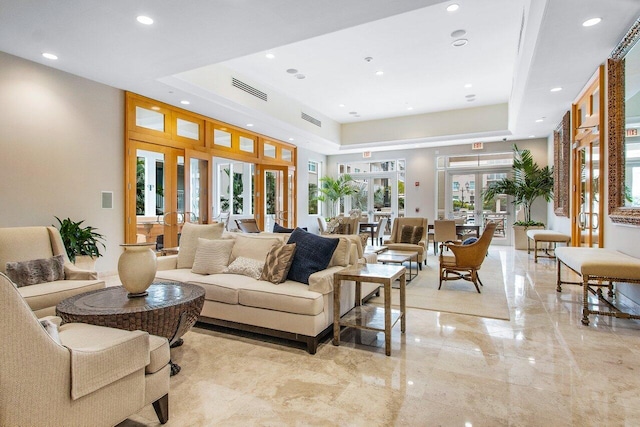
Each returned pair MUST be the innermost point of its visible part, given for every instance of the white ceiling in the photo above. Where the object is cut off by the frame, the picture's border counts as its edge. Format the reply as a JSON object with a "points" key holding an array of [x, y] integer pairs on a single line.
{"points": [[327, 41]]}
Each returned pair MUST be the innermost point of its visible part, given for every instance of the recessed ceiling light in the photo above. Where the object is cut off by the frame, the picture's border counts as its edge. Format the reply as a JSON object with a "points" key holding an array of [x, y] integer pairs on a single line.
{"points": [[249, 125], [292, 71], [341, 105], [379, 73], [460, 42], [452, 7], [144, 20], [532, 136], [50, 55], [270, 56], [539, 120], [468, 85], [409, 108], [556, 89], [290, 139], [591, 22], [185, 102], [300, 76], [458, 33]]}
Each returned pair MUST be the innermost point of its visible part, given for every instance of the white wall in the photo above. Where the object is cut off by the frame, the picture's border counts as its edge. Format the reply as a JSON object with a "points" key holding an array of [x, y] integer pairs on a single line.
{"points": [[62, 145]]}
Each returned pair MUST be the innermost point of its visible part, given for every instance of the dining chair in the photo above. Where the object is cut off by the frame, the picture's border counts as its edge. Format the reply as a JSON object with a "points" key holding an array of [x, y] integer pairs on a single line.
{"points": [[466, 259], [379, 234], [444, 230], [248, 225]]}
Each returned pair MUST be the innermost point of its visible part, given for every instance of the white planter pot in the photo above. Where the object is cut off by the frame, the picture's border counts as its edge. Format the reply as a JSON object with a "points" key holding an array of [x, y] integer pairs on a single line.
{"points": [[137, 268], [520, 235]]}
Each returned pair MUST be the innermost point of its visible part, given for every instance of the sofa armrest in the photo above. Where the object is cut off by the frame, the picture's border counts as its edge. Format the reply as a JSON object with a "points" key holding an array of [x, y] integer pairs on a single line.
{"points": [[101, 356], [322, 281], [71, 272], [169, 262]]}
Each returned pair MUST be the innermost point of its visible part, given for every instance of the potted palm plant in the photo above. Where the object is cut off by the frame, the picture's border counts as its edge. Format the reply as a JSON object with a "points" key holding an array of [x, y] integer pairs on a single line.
{"points": [[528, 183], [332, 190], [81, 243]]}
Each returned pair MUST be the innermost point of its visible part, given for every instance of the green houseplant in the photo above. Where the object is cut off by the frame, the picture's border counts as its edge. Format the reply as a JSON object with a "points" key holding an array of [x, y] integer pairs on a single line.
{"points": [[528, 182], [332, 190], [79, 240]]}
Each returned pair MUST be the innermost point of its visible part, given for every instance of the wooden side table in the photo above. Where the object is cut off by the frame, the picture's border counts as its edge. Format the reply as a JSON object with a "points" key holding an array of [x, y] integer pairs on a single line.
{"points": [[370, 317]]}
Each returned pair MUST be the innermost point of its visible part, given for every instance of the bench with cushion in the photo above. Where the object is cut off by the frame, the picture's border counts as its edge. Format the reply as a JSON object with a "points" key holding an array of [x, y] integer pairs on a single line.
{"points": [[545, 236], [597, 266]]}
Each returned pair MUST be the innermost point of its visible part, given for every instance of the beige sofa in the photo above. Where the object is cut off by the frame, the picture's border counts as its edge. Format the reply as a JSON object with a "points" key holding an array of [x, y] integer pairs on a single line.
{"points": [[30, 243], [77, 374], [290, 310]]}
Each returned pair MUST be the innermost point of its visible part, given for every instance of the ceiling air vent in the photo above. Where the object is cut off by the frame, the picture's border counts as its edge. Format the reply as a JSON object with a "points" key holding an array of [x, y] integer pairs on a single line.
{"points": [[249, 89], [310, 119]]}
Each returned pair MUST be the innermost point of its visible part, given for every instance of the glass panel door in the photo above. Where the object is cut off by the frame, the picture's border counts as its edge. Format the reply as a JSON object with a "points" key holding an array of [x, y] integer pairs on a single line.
{"points": [[466, 206], [197, 188], [155, 196], [273, 200]]}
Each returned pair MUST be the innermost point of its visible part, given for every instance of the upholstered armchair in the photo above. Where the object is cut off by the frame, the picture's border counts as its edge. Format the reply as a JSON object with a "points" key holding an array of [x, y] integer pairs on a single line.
{"points": [[76, 374], [466, 259], [395, 242], [18, 244]]}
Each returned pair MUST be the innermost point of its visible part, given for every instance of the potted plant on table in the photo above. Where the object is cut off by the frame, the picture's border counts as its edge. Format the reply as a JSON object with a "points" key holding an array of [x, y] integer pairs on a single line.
{"points": [[81, 243], [528, 183]]}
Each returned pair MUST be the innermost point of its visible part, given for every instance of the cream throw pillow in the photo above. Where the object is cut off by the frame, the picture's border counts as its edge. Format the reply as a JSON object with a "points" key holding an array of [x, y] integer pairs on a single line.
{"points": [[341, 255], [189, 240], [212, 256], [253, 247]]}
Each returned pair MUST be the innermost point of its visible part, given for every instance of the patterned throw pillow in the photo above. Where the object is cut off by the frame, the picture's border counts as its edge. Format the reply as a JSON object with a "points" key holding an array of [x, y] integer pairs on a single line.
{"points": [[416, 236], [278, 263], [212, 256], [406, 234], [36, 271], [313, 253], [189, 240], [246, 266]]}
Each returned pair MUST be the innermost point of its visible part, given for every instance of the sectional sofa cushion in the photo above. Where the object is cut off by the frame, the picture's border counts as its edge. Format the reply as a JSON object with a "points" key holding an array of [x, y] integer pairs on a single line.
{"points": [[313, 253], [189, 240], [255, 247], [212, 256], [33, 272], [278, 262]]}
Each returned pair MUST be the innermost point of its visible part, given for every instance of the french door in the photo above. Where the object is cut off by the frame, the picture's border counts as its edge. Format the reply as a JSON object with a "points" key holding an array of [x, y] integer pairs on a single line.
{"points": [[165, 188], [379, 195], [278, 185], [464, 202]]}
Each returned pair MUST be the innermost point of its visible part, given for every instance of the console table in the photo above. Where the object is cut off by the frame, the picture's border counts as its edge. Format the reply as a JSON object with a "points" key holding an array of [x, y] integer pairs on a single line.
{"points": [[169, 310], [367, 316]]}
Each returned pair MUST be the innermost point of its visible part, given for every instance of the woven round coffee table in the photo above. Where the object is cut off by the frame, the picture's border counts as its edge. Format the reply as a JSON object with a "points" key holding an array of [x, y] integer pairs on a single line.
{"points": [[169, 310]]}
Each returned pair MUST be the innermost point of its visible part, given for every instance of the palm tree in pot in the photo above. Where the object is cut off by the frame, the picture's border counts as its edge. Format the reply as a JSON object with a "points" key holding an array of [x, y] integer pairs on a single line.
{"points": [[528, 183], [332, 190]]}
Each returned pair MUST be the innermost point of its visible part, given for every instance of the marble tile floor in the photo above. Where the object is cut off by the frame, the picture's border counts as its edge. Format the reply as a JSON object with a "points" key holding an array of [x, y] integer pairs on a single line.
{"points": [[541, 368]]}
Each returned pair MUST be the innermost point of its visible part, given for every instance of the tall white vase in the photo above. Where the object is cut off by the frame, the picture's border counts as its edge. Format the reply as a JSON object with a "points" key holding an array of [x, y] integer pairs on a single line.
{"points": [[137, 268]]}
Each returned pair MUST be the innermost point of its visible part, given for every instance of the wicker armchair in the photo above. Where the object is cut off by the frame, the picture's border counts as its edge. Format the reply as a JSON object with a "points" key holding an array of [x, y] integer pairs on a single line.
{"points": [[466, 259]]}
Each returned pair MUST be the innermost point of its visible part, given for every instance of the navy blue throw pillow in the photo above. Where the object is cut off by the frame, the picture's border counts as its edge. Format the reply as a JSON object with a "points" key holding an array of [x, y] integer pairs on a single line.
{"points": [[470, 240], [277, 228], [313, 253]]}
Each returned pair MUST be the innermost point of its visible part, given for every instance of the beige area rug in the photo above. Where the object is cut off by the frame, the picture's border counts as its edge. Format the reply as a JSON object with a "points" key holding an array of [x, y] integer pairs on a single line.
{"points": [[456, 296]]}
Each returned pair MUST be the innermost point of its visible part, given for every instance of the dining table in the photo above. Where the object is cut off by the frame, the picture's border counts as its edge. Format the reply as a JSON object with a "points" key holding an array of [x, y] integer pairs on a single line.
{"points": [[371, 227]]}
